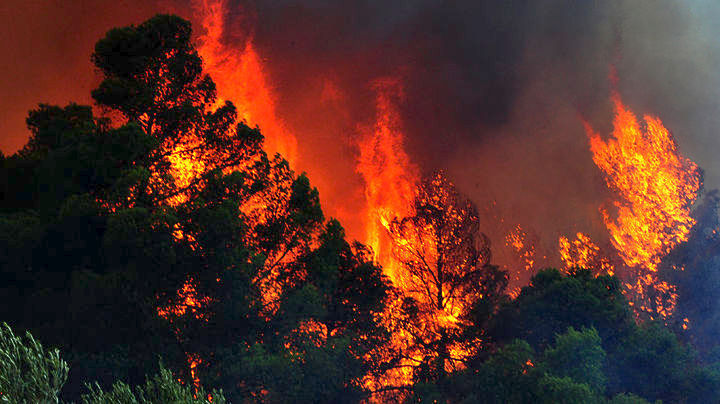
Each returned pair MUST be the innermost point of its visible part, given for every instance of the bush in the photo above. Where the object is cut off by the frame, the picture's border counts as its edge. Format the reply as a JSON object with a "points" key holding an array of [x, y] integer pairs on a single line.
{"points": [[160, 389], [29, 374]]}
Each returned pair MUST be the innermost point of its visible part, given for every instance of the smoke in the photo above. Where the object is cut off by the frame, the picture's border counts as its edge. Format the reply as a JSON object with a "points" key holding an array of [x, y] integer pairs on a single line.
{"points": [[495, 92]]}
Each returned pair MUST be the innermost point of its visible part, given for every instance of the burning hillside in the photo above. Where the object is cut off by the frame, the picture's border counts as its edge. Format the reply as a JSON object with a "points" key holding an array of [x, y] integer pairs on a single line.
{"points": [[654, 185], [366, 200]]}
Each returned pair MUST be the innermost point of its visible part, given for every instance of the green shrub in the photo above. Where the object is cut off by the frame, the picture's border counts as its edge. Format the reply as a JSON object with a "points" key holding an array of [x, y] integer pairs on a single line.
{"points": [[160, 389], [29, 374]]}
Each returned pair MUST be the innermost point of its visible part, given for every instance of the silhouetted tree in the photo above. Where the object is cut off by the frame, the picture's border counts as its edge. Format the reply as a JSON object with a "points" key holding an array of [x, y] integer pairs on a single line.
{"points": [[325, 329], [446, 277], [152, 76]]}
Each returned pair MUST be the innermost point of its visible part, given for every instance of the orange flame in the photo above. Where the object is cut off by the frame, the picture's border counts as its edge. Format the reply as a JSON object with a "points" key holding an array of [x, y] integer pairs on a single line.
{"points": [[657, 187], [390, 183], [241, 78], [189, 301], [390, 177], [583, 253], [524, 254]]}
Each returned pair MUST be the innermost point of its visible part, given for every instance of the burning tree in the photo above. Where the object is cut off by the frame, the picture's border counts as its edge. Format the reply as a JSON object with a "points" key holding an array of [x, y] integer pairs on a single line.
{"points": [[448, 285], [153, 77], [582, 252], [266, 285], [656, 187], [174, 234]]}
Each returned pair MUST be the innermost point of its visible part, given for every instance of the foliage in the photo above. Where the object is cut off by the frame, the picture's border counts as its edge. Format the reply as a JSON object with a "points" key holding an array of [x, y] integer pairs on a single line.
{"points": [[623, 398], [578, 355], [505, 377], [153, 77], [29, 373], [515, 374], [318, 338], [162, 388], [553, 389], [553, 302], [643, 359], [650, 362]]}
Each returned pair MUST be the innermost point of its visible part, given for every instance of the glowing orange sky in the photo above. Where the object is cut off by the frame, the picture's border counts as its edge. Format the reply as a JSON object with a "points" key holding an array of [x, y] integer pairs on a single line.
{"points": [[46, 47]]}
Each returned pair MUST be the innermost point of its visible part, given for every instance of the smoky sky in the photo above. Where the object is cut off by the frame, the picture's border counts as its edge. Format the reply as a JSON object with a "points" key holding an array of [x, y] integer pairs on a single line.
{"points": [[468, 65], [495, 92]]}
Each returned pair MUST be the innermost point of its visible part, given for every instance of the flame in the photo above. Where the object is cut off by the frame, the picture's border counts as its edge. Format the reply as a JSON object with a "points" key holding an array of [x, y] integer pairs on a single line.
{"points": [[241, 78], [193, 361], [517, 239], [656, 188], [185, 166], [391, 189], [583, 253], [389, 175], [390, 182], [424, 248], [189, 302]]}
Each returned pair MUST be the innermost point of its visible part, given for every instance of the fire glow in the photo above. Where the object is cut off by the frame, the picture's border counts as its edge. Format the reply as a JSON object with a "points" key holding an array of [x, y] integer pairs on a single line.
{"points": [[240, 77], [390, 178], [655, 187], [582, 252]]}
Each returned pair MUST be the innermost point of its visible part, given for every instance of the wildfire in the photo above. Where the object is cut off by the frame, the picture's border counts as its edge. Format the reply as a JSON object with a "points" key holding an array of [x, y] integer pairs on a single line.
{"points": [[656, 188], [390, 183], [583, 253], [189, 301], [240, 77], [442, 269], [518, 240], [655, 184], [194, 360], [390, 177], [185, 166]]}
